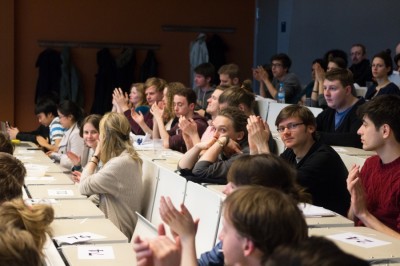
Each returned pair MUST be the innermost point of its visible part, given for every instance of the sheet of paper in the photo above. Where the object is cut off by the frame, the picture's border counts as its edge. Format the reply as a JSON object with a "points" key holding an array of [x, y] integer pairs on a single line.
{"points": [[41, 201], [60, 192], [77, 238], [339, 149], [23, 158], [39, 178], [359, 240], [24, 152], [315, 211], [95, 253]]}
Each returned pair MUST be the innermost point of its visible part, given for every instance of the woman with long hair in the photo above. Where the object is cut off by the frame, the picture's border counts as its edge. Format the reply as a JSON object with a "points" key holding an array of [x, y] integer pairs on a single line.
{"points": [[119, 181]]}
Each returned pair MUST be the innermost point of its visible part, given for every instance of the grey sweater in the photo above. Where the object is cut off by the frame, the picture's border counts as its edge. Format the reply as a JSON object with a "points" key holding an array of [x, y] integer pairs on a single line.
{"points": [[119, 183]]}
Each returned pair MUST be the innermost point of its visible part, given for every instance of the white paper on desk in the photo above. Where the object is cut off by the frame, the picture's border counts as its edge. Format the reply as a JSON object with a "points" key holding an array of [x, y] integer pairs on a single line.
{"points": [[359, 240], [78, 237], [95, 253], [315, 211], [60, 192], [39, 178], [339, 149], [24, 152], [24, 158], [40, 201]]}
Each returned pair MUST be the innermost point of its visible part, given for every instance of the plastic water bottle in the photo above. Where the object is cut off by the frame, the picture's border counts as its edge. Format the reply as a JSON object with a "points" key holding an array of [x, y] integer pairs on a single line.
{"points": [[281, 93]]}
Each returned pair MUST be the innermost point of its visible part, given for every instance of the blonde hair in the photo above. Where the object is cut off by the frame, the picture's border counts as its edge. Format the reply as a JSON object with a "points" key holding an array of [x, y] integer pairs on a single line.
{"points": [[17, 247], [34, 219], [114, 134]]}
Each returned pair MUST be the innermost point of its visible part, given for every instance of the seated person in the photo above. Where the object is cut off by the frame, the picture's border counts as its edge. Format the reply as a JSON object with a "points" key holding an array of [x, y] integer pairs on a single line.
{"points": [[246, 102], [338, 124], [313, 251], [50, 133], [229, 75], [184, 103], [313, 85], [119, 181], [256, 221], [382, 68], [71, 116], [136, 100], [35, 219], [143, 123], [281, 64], [361, 67], [12, 177], [17, 247], [203, 76], [6, 144], [319, 168], [189, 129], [89, 131], [395, 77], [230, 140], [375, 189]]}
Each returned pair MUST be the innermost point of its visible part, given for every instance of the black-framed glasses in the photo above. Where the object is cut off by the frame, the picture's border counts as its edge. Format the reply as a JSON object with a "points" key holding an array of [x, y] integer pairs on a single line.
{"points": [[290, 127]]}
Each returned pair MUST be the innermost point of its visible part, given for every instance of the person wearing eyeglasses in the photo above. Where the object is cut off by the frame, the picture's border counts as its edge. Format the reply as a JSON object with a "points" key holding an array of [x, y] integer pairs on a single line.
{"points": [[319, 168], [280, 64]]}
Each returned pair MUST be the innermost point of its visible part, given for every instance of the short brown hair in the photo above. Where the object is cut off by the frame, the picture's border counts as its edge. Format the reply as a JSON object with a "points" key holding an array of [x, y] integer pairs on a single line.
{"points": [[232, 70], [263, 170], [12, 175], [266, 216], [344, 76], [6, 144]]}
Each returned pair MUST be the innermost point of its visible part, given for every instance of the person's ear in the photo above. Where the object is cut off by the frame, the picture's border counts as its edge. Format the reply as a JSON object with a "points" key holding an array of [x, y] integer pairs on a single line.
{"points": [[239, 135], [385, 130], [248, 247], [191, 106], [235, 81]]}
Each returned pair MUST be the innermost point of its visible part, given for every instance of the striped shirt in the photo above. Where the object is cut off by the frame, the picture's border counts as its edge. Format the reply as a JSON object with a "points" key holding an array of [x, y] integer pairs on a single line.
{"points": [[56, 130]]}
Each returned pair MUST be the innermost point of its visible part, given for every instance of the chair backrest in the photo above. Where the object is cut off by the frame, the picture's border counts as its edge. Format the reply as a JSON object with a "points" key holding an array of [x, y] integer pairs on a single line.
{"points": [[349, 160], [263, 105], [169, 184], [204, 204], [150, 178], [273, 111], [361, 91], [144, 228], [315, 110]]}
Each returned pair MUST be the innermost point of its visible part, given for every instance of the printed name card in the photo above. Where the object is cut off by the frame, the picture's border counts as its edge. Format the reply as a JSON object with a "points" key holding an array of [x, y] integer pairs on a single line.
{"points": [[359, 240], [77, 238], [40, 201], [95, 253], [60, 192]]}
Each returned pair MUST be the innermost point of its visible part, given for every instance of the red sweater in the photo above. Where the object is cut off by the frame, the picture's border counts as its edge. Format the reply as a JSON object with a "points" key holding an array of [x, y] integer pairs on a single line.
{"points": [[382, 189]]}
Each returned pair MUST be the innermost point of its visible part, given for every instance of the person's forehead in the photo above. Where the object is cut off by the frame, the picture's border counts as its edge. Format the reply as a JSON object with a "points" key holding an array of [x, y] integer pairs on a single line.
{"points": [[292, 119], [276, 61], [179, 98], [356, 49], [335, 83], [221, 120], [151, 89]]}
